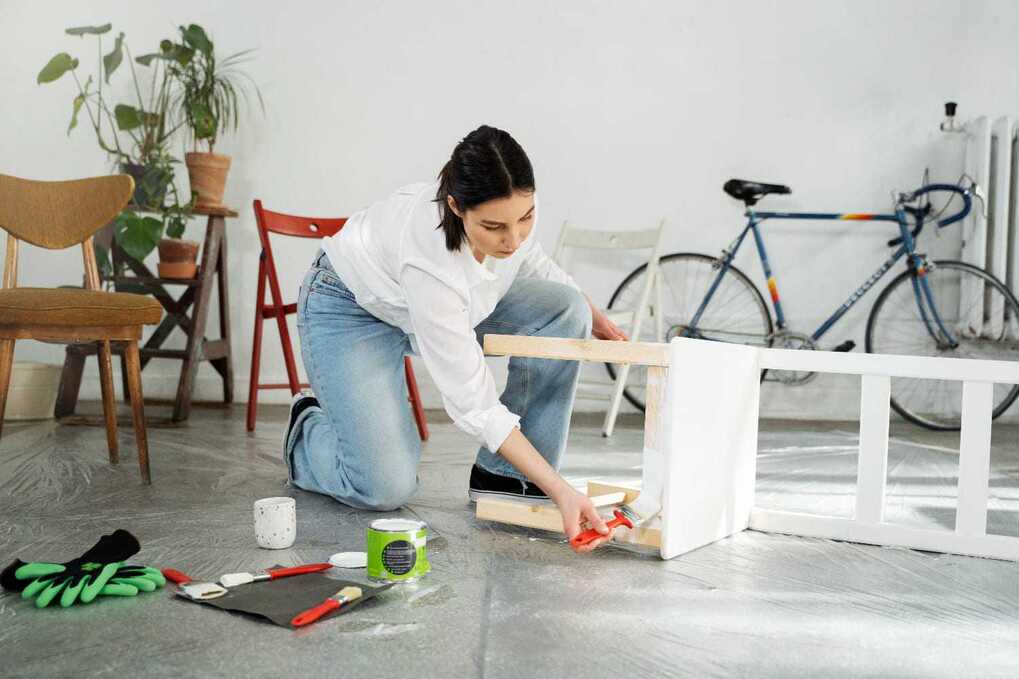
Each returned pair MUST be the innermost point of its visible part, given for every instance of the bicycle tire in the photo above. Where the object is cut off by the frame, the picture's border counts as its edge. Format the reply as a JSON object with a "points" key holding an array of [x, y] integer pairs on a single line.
{"points": [[670, 261], [1009, 393]]}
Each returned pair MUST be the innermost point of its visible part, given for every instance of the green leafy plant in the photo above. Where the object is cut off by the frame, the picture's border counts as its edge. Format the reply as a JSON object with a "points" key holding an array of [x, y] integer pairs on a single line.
{"points": [[146, 124], [211, 92], [135, 135]]}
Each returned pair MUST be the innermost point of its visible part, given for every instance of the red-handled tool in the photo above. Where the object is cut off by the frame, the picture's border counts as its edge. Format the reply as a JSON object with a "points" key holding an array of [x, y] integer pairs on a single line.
{"points": [[234, 579], [189, 589], [344, 596], [591, 534]]}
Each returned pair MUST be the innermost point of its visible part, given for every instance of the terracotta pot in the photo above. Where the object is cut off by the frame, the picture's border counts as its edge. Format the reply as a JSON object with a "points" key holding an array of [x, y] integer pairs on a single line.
{"points": [[207, 172], [178, 250], [177, 269], [177, 258]]}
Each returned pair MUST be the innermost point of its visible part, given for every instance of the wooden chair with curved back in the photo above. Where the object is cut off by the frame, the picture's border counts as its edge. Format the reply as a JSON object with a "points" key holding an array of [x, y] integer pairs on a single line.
{"points": [[282, 224], [56, 215]]}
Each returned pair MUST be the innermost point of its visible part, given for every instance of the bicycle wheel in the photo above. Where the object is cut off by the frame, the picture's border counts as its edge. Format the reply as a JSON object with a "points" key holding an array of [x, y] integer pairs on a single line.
{"points": [[736, 313], [976, 307]]}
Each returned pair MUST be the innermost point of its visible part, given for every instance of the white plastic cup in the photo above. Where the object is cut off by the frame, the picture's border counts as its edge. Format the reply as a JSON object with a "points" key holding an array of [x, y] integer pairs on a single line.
{"points": [[275, 522]]}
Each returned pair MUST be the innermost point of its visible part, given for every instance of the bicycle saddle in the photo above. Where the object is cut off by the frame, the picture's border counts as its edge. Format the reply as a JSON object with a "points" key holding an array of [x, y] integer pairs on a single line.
{"points": [[751, 192]]}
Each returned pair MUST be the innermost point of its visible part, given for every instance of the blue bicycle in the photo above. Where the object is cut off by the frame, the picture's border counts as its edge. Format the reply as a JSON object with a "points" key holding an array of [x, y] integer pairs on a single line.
{"points": [[931, 308]]}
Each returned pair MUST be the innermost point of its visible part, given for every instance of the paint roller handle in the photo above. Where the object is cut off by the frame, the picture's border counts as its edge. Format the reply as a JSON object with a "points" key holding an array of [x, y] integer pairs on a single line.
{"points": [[592, 534], [175, 576], [312, 614], [299, 570]]}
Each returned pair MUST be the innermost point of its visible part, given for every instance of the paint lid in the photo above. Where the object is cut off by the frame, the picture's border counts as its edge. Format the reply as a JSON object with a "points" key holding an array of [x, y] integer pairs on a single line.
{"points": [[349, 559], [397, 525]]}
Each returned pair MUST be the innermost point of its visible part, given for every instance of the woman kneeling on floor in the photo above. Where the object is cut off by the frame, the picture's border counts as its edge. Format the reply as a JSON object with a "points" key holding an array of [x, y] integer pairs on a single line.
{"points": [[430, 270]]}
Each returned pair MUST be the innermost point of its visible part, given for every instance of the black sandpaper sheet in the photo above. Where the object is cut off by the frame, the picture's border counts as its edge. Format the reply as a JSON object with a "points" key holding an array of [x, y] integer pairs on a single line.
{"points": [[278, 601]]}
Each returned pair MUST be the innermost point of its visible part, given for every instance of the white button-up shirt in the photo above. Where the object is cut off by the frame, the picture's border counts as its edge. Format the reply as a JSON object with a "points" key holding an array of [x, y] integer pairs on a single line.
{"points": [[393, 257]]}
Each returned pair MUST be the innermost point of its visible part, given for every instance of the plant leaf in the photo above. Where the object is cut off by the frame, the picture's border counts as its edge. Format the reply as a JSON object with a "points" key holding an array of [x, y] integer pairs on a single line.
{"points": [[78, 102], [89, 30], [128, 117], [202, 120], [112, 60], [172, 51], [195, 37], [146, 59], [139, 236], [56, 67]]}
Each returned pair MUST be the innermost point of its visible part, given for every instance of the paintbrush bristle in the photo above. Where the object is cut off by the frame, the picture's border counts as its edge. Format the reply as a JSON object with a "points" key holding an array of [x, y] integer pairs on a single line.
{"points": [[633, 516], [348, 594]]}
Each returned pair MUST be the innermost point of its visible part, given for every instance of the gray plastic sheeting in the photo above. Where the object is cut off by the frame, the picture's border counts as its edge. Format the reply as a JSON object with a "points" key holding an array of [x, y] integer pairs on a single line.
{"points": [[501, 601]]}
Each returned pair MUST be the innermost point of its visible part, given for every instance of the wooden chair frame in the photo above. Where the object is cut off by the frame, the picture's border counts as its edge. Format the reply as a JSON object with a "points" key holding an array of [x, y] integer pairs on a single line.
{"points": [[103, 335], [631, 320], [700, 447], [300, 227]]}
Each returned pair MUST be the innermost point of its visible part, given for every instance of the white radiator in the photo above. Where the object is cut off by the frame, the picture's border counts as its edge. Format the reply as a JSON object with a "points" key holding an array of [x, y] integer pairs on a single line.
{"points": [[990, 242]]}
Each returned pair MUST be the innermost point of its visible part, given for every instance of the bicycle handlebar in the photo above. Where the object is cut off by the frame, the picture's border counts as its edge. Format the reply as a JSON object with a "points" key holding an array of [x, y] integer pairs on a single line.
{"points": [[921, 213]]}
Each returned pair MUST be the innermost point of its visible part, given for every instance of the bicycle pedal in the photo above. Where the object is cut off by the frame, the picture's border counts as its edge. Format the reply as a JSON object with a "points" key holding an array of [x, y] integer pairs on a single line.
{"points": [[848, 345]]}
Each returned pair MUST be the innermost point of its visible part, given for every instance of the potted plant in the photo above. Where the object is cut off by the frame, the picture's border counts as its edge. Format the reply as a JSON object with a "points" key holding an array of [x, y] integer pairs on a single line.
{"points": [[208, 104], [143, 154]]}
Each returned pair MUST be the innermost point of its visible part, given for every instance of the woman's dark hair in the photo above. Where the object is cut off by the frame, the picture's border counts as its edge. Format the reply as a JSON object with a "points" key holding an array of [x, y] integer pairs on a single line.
{"points": [[488, 163]]}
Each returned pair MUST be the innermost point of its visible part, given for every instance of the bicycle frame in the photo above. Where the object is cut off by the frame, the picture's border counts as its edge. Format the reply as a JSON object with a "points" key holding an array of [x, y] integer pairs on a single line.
{"points": [[921, 290]]}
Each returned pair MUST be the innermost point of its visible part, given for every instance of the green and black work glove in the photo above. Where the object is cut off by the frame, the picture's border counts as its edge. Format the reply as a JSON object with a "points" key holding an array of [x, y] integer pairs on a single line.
{"points": [[129, 579], [100, 570]]}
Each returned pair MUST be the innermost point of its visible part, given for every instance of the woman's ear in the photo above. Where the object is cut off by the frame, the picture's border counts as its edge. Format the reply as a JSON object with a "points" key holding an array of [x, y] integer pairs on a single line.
{"points": [[454, 207]]}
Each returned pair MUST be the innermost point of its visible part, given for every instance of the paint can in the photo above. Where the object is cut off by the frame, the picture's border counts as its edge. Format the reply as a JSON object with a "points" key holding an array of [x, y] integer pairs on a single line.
{"points": [[396, 550]]}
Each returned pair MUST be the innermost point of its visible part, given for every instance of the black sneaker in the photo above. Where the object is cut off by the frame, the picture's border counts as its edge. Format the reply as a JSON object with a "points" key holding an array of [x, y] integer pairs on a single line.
{"points": [[302, 401], [486, 484]]}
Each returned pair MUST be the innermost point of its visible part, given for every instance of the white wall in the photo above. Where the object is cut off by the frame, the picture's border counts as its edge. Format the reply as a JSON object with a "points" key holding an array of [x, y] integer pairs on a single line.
{"points": [[629, 111]]}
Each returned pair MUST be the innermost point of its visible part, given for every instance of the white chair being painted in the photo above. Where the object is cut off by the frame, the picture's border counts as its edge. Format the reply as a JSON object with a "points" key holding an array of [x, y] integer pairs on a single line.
{"points": [[630, 320]]}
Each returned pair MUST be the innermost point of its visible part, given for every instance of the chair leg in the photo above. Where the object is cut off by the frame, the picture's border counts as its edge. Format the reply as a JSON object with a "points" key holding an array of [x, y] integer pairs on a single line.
{"points": [[6, 361], [109, 399], [617, 398], [134, 381], [126, 390], [256, 363], [415, 399]]}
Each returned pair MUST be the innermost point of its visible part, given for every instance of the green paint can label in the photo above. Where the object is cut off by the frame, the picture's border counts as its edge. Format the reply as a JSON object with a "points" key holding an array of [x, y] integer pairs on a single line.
{"points": [[396, 550]]}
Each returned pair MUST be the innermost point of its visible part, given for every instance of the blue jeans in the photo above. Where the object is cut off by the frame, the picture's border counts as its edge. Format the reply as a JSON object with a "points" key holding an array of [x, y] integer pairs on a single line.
{"points": [[360, 445]]}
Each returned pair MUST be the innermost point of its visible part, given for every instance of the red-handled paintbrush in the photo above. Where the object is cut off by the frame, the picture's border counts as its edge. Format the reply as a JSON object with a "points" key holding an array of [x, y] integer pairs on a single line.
{"points": [[235, 579], [336, 601], [624, 516]]}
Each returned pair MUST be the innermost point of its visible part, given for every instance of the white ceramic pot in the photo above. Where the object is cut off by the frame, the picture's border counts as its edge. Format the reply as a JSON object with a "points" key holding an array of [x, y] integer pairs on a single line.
{"points": [[33, 392]]}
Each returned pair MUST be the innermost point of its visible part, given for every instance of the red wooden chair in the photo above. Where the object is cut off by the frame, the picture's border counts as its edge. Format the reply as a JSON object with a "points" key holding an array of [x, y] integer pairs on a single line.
{"points": [[301, 227]]}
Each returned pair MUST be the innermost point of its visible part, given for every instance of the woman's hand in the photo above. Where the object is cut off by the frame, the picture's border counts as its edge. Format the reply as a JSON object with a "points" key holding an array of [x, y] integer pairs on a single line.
{"points": [[604, 329], [576, 508]]}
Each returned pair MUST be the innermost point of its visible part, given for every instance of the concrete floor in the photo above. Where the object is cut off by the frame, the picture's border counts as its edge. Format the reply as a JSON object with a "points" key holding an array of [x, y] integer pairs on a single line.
{"points": [[505, 602]]}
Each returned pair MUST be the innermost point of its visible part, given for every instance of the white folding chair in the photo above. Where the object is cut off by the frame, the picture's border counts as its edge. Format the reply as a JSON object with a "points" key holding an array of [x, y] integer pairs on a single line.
{"points": [[630, 320]]}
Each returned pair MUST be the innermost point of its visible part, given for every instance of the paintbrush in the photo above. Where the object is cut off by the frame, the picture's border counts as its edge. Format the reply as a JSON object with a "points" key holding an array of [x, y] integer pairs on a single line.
{"points": [[630, 516], [336, 601], [235, 579]]}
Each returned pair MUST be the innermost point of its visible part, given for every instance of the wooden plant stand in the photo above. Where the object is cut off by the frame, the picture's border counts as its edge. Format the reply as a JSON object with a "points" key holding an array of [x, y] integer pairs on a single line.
{"points": [[700, 447], [212, 271]]}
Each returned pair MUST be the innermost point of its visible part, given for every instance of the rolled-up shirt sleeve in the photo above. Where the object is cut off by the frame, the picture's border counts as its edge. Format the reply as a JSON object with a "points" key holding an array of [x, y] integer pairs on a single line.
{"points": [[537, 264], [453, 357]]}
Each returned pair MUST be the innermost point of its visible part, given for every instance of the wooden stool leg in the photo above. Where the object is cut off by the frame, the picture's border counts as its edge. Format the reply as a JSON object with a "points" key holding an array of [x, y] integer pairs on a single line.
{"points": [[109, 399], [134, 380], [6, 361], [415, 399], [123, 379], [227, 362], [70, 381]]}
